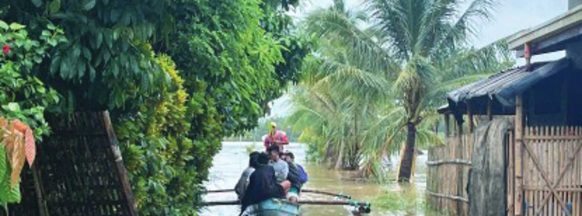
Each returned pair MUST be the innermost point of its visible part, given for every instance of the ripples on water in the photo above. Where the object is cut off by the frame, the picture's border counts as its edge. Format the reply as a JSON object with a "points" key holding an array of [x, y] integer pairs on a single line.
{"points": [[233, 159]]}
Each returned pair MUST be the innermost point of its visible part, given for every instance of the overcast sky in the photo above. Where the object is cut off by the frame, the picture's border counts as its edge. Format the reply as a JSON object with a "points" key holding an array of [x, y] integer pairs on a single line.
{"points": [[510, 16]]}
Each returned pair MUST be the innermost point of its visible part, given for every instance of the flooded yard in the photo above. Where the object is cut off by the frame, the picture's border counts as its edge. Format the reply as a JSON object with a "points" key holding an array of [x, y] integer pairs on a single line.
{"points": [[230, 162]]}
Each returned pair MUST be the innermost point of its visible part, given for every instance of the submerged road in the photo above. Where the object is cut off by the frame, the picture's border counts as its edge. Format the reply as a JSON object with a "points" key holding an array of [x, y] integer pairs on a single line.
{"points": [[232, 160]]}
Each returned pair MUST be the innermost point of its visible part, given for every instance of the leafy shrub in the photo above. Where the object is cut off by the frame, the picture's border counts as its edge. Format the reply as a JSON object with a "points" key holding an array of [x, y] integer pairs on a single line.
{"points": [[157, 150], [23, 98]]}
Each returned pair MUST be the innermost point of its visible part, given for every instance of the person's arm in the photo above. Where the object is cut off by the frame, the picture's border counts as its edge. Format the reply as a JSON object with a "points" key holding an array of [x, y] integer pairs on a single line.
{"points": [[242, 183], [285, 170], [266, 143]]}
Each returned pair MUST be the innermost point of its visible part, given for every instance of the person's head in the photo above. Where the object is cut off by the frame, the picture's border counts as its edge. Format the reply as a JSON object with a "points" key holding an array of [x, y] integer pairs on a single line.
{"points": [[274, 152], [289, 156], [263, 158], [272, 128], [254, 159]]}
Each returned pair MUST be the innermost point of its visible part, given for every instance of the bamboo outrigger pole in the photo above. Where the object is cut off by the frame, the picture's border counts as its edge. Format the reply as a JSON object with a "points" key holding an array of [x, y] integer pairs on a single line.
{"points": [[301, 202], [302, 191], [362, 207]]}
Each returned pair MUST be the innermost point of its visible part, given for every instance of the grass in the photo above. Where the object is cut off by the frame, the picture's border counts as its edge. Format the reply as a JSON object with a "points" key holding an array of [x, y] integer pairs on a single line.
{"points": [[406, 201]]}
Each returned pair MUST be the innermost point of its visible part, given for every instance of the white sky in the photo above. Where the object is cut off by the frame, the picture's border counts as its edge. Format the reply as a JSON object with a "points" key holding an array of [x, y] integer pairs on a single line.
{"points": [[510, 16]]}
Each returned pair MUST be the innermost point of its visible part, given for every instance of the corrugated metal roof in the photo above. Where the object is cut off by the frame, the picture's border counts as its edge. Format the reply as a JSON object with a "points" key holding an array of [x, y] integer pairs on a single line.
{"points": [[487, 86], [505, 85]]}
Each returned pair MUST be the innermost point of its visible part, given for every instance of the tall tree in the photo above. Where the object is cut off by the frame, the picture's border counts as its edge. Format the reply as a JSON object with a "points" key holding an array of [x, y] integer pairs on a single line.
{"points": [[416, 45], [176, 75]]}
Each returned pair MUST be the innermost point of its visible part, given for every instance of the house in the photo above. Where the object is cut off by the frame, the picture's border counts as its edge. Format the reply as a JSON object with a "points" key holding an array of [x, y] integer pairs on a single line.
{"points": [[514, 139]]}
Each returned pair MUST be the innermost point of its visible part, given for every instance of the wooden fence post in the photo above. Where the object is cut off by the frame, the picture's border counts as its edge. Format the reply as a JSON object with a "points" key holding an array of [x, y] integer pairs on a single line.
{"points": [[120, 167], [470, 118], [459, 156], [489, 110], [447, 124], [519, 123]]}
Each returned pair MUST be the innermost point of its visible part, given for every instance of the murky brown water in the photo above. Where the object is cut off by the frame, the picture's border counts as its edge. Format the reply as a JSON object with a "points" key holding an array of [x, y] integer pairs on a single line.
{"points": [[229, 163]]}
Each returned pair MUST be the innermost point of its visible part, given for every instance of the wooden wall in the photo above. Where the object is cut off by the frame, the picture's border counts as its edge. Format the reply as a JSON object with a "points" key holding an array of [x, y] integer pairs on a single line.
{"points": [[552, 170], [447, 175]]}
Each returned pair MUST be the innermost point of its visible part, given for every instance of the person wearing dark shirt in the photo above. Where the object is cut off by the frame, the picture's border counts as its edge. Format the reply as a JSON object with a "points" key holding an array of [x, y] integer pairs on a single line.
{"points": [[262, 184], [243, 182]]}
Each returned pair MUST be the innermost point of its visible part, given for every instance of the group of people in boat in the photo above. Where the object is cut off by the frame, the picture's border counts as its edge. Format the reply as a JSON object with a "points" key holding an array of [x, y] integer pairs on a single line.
{"points": [[271, 174]]}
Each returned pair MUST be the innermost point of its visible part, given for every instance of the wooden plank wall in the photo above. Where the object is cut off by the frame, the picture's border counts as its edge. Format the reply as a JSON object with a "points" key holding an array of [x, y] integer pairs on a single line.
{"points": [[552, 164], [443, 177]]}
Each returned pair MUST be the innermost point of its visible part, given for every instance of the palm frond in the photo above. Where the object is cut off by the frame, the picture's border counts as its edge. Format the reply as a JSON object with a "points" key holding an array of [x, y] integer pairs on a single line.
{"points": [[343, 31]]}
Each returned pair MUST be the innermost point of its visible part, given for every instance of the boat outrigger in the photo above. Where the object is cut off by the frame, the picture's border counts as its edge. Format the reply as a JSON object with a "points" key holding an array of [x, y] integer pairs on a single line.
{"points": [[280, 207]]}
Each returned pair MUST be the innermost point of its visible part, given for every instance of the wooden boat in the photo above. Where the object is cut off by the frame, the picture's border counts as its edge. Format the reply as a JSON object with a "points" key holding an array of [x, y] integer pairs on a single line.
{"points": [[279, 207], [273, 207]]}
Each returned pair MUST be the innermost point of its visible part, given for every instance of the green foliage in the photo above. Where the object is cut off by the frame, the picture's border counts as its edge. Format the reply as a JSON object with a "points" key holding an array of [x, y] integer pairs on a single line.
{"points": [[22, 95], [406, 201], [398, 201], [156, 151], [8, 193], [233, 57], [105, 62], [244, 64], [383, 69]]}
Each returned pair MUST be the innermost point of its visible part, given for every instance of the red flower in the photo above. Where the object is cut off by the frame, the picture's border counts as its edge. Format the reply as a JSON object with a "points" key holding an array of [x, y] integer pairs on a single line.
{"points": [[6, 49]]}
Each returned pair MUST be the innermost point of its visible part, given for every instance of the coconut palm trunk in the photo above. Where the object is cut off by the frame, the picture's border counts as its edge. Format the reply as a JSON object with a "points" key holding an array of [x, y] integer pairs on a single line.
{"points": [[339, 162], [405, 171]]}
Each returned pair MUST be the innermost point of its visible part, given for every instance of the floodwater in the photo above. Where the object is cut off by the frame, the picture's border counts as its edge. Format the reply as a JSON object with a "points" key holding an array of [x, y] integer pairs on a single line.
{"points": [[233, 159]]}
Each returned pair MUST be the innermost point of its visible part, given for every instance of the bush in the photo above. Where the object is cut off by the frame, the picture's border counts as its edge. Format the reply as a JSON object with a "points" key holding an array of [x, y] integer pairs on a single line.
{"points": [[23, 97]]}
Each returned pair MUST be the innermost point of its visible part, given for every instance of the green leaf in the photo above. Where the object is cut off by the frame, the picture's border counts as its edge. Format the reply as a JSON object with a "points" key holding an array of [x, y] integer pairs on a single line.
{"points": [[37, 3], [115, 69], [64, 68], [16, 26], [55, 63], [3, 25], [89, 5], [99, 39], [50, 26], [45, 33], [54, 7], [13, 107], [87, 53], [37, 59], [77, 51], [92, 73]]}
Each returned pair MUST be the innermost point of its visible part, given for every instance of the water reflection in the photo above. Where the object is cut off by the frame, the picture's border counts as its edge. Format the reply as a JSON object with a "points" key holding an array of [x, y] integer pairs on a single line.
{"points": [[233, 158]]}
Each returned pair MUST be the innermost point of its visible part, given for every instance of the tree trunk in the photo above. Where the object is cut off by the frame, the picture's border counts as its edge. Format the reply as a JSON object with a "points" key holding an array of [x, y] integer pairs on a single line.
{"points": [[329, 153], [354, 160], [407, 160], [339, 162]]}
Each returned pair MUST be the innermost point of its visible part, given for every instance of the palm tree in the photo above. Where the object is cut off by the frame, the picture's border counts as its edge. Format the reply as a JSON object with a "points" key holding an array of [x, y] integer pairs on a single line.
{"points": [[416, 45], [331, 117]]}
